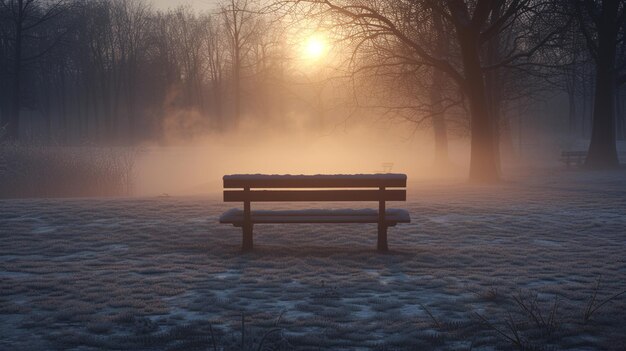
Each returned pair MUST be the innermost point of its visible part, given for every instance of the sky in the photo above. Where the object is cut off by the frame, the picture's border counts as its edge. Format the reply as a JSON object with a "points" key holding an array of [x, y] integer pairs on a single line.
{"points": [[199, 4]]}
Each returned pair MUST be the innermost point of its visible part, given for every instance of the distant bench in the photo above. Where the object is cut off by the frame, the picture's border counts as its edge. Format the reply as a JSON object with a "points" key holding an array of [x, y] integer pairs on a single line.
{"points": [[573, 157], [319, 188]]}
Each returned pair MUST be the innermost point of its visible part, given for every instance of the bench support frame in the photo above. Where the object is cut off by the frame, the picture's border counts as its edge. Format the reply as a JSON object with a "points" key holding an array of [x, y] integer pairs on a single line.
{"points": [[247, 196], [382, 226], [247, 242]]}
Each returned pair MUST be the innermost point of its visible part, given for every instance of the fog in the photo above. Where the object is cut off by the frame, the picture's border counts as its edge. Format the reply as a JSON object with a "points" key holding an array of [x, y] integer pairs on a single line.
{"points": [[197, 167], [413, 174], [145, 98]]}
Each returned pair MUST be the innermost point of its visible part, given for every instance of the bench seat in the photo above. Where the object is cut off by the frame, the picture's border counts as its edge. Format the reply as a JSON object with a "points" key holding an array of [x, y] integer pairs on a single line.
{"points": [[392, 216], [376, 188]]}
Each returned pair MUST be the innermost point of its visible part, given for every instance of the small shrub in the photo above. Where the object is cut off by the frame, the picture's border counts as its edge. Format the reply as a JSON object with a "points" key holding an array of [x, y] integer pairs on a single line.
{"points": [[594, 304]]}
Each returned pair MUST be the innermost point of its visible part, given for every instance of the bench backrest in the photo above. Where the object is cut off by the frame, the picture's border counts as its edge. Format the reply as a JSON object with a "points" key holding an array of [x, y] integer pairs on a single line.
{"points": [[356, 187]]}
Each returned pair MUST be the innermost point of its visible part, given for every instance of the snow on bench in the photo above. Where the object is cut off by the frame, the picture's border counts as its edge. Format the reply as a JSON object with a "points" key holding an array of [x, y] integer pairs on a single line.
{"points": [[315, 188], [314, 181]]}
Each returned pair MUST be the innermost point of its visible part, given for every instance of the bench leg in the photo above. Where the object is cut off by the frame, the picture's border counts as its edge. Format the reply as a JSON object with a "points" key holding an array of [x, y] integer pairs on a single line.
{"points": [[382, 238], [247, 242]]}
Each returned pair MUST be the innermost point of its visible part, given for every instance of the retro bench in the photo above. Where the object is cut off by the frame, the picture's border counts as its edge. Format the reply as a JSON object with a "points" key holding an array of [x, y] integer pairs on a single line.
{"points": [[378, 188], [573, 157]]}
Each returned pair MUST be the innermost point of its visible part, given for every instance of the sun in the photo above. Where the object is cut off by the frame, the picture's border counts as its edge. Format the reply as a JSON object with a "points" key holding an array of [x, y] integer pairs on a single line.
{"points": [[315, 47]]}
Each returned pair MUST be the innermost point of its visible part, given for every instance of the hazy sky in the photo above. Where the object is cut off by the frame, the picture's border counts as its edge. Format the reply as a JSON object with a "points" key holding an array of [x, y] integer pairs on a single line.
{"points": [[200, 4]]}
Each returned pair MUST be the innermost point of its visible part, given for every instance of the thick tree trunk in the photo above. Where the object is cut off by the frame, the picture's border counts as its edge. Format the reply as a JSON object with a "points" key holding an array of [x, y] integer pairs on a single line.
{"points": [[621, 115], [63, 99], [13, 127], [494, 84], [47, 107], [603, 149], [484, 164], [585, 98], [439, 122]]}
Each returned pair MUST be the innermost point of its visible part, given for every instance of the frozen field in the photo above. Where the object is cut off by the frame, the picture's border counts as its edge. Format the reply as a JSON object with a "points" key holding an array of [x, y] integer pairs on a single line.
{"points": [[481, 267]]}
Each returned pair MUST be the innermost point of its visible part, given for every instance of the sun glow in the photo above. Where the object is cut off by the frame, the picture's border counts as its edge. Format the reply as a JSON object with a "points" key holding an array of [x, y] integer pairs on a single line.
{"points": [[315, 47]]}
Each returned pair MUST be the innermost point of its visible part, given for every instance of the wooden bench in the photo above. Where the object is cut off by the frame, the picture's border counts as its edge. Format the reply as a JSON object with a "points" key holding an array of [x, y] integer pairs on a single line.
{"points": [[315, 188], [578, 157]]}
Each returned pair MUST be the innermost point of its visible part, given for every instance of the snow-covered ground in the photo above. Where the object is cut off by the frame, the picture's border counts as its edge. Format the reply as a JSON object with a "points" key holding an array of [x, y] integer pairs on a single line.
{"points": [[480, 267]]}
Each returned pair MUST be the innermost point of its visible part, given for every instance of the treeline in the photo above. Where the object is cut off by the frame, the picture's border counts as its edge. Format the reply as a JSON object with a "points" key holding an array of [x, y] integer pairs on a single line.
{"points": [[122, 71], [479, 58]]}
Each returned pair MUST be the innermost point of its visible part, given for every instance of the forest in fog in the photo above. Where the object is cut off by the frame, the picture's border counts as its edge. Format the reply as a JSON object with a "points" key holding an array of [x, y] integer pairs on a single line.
{"points": [[122, 72], [286, 175]]}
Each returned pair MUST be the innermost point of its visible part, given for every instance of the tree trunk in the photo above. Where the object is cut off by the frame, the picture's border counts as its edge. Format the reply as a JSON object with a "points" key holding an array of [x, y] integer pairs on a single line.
{"points": [[436, 97], [47, 106], [619, 113], [603, 149], [484, 165], [13, 128], [585, 98], [439, 122], [237, 85], [622, 103], [494, 85], [63, 99]]}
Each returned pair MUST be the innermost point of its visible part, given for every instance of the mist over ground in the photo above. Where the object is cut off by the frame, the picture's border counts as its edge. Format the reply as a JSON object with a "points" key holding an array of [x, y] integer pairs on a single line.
{"points": [[193, 90], [361, 144], [196, 168], [157, 273]]}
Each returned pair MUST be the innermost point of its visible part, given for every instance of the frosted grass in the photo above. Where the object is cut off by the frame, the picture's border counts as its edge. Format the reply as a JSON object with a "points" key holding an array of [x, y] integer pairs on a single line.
{"points": [[152, 273]]}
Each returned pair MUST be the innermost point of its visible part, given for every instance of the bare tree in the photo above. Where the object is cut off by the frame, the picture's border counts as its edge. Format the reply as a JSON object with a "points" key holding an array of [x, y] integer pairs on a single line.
{"points": [[26, 16], [241, 22], [439, 119], [130, 25], [474, 23], [214, 51], [602, 24]]}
